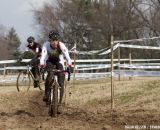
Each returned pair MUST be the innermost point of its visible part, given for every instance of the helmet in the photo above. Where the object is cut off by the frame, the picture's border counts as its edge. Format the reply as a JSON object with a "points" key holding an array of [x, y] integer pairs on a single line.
{"points": [[53, 35], [30, 39]]}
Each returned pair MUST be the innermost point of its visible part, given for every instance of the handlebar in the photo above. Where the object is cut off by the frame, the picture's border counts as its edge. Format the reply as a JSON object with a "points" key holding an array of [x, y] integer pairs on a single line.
{"points": [[58, 71]]}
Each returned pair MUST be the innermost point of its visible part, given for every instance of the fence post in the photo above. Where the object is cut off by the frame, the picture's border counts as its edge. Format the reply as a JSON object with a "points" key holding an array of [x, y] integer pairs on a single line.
{"points": [[112, 72], [66, 90], [74, 71], [119, 56], [4, 71], [130, 62]]}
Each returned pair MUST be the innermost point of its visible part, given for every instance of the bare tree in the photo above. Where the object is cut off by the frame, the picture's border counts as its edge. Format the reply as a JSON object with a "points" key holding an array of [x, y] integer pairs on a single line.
{"points": [[90, 23]]}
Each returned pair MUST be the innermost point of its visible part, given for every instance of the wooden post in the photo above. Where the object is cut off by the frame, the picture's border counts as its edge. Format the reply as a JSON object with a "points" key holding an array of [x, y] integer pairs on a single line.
{"points": [[130, 62], [4, 71], [66, 93], [112, 72], [119, 56], [74, 70], [67, 90]]}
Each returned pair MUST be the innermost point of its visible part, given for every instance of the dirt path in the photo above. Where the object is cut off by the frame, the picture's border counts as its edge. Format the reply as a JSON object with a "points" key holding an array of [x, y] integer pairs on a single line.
{"points": [[26, 111], [88, 108]]}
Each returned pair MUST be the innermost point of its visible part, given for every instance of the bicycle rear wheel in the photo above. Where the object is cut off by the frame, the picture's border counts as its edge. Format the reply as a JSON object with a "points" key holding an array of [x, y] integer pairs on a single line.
{"points": [[23, 82], [53, 107], [38, 80]]}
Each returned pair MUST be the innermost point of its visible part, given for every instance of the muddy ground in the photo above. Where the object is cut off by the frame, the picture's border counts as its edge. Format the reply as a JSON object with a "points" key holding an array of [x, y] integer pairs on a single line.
{"points": [[137, 103]]}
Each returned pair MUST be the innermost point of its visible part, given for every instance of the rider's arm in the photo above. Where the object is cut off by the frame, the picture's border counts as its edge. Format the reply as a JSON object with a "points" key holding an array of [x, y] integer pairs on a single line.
{"points": [[28, 48], [65, 53], [44, 55]]}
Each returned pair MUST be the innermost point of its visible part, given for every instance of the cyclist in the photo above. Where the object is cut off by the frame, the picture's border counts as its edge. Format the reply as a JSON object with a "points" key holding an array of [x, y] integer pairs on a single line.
{"points": [[53, 53], [36, 49]]}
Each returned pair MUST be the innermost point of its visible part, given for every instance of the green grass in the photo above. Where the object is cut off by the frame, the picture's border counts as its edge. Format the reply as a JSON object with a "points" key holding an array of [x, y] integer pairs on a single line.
{"points": [[128, 97], [152, 85], [91, 81], [141, 91], [96, 101]]}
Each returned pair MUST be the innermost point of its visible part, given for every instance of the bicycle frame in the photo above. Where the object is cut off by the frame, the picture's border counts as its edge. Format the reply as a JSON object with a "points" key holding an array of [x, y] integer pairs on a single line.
{"points": [[30, 72], [54, 93], [28, 75], [55, 82]]}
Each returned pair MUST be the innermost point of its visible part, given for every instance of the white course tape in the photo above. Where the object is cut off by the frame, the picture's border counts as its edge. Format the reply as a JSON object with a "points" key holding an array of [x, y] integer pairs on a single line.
{"points": [[97, 68], [91, 75], [17, 68], [137, 73], [109, 50], [73, 50], [139, 47], [136, 40], [13, 61], [90, 65], [138, 67]]}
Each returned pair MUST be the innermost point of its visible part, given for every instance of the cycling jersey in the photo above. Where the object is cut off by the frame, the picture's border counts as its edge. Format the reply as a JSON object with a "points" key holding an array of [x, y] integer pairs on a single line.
{"points": [[54, 55], [36, 48]]}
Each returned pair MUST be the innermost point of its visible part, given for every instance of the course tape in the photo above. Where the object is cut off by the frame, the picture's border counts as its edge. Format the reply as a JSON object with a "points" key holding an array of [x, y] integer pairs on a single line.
{"points": [[139, 47], [98, 66], [109, 50], [100, 52], [137, 73], [137, 66], [136, 40]]}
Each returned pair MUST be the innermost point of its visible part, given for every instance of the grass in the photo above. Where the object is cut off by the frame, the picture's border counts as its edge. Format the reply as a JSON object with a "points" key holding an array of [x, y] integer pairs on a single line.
{"points": [[137, 101], [145, 91], [96, 101], [128, 97], [127, 93], [97, 91]]}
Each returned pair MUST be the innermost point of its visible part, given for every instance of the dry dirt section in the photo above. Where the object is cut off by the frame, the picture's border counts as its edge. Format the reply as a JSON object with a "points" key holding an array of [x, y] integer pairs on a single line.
{"points": [[137, 102]]}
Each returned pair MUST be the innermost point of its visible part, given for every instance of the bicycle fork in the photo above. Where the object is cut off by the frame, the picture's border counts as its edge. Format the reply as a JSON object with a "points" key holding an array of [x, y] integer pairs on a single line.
{"points": [[54, 98]]}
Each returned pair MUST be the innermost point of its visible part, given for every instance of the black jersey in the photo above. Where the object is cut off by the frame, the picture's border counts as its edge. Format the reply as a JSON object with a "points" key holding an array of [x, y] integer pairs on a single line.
{"points": [[36, 48]]}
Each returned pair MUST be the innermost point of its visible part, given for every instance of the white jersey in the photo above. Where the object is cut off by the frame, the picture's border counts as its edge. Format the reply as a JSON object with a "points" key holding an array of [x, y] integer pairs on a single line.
{"points": [[49, 53]]}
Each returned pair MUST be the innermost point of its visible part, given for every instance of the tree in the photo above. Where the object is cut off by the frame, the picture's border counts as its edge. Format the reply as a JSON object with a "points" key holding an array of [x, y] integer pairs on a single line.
{"points": [[3, 43], [90, 23], [13, 43]]}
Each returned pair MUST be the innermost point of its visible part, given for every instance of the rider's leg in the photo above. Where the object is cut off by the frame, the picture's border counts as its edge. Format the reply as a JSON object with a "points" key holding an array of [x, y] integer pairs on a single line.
{"points": [[48, 81], [35, 70], [47, 85], [61, 78]]}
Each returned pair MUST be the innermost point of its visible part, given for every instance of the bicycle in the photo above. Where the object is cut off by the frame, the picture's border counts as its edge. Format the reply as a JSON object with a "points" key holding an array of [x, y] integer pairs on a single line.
{"points": [[54, 92], [24, 79]]}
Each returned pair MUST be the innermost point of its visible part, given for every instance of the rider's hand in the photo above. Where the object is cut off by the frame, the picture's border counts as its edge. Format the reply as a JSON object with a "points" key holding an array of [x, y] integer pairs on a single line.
{"points": [[69, 69], [42, 66]]}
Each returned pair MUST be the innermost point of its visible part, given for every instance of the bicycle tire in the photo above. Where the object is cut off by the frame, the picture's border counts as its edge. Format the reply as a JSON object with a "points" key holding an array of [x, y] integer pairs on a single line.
{"points": [[37, 79], [23, 81], [53, 107], [41, 82]]}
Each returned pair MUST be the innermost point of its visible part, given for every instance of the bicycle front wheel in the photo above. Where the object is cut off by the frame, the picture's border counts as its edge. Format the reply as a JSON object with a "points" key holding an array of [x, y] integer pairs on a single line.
{"points": [[53, 107], [23, 82]]}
